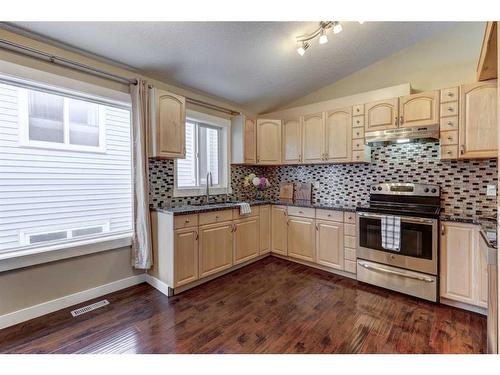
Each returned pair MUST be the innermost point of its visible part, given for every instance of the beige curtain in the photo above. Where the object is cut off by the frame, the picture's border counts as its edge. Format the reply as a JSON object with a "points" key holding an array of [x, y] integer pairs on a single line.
{"points": [[141, 117]]}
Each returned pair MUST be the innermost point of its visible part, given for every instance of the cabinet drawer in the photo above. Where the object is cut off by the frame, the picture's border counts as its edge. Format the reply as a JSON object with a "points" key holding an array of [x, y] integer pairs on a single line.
{"points": [[449, 109], [185, 221], [358, 109], [350, 266], [358, 156], [350, 217], [358, 144], [350, 230], [301, 211], [449, 138], [448, 123], [358, 133], [449, 95], [329, 215], [350, 241], [215, 217], [449, 152], [350, 254], [255, 212], [358, 121]]}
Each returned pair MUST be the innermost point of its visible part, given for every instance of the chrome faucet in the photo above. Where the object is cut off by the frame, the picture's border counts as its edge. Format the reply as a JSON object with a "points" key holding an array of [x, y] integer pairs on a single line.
{"points": [[209, 183]]}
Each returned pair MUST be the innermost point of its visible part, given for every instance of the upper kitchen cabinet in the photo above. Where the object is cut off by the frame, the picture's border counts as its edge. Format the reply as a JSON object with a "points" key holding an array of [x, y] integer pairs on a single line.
{"points": [[313, 138], [477, 136], [168, 127], [487, 67], [419, 109], [338, 135], [381, 115], [292, 141], [244, 140], [268, 141]]}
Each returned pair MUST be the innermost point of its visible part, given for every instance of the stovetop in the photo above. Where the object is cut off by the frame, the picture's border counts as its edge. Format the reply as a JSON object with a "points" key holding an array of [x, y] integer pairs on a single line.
{"points": [[402, 209]]}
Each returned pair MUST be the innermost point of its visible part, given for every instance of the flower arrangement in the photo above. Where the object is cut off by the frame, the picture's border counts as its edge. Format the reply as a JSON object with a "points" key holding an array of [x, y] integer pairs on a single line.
{"points": [[259, 183]]}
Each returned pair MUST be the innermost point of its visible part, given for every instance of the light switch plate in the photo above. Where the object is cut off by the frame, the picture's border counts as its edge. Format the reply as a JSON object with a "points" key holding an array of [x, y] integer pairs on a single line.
{"points": [[491, 190], [316, 184]]}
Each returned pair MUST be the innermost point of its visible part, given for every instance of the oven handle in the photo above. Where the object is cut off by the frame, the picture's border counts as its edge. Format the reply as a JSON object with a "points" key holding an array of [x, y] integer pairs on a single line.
{"points": [[379, 269], [407, 219]]}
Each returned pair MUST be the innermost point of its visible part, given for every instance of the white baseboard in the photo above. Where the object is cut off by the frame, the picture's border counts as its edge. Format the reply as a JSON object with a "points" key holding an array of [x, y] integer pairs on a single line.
{"points": [[157, 284], [35, 311]]}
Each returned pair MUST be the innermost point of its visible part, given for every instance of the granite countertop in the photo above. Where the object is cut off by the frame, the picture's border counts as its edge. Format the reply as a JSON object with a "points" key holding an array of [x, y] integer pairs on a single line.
{"points": [[488, 226], [193, 209]]}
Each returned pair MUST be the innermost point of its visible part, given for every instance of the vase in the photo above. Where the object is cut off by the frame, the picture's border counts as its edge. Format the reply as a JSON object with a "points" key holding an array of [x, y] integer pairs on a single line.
{"points": [[259, 195]]}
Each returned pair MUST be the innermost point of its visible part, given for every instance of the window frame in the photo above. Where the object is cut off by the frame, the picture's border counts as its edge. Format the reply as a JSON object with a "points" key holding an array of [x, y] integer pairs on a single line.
{"points": [[223, 187], [25, 141]]}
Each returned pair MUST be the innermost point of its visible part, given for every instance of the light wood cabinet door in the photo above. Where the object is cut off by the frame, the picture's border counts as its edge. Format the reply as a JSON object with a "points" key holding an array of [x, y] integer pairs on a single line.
{"points": [[457, 262], [265, 229], [419, 109], [301, 238], [215, 248], [250, 141], [338, 135], [278, 230], [330, 244], [168, 135], [313, 138], [482, 274], [292, 141], [268, 141], [246, 239], [381, 115], [185, 256], [478, 120]]}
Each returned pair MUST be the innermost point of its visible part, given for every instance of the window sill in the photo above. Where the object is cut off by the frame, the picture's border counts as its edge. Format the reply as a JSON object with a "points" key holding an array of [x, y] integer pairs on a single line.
{"points": [[31, 257], [179, 193]]}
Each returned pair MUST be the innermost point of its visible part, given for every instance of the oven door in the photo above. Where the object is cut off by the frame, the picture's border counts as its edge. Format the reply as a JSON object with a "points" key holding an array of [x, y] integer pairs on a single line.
{"points": [[418, 248]]}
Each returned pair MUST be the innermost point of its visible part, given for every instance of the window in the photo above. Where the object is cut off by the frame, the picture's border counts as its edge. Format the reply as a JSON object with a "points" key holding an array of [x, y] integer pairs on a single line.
{"points": [[206, 151], [65, 169], [53, 121]]}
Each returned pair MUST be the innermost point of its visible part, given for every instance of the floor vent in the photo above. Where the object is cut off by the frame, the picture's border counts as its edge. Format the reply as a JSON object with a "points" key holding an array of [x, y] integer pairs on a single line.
{"points": [[86, 309]]}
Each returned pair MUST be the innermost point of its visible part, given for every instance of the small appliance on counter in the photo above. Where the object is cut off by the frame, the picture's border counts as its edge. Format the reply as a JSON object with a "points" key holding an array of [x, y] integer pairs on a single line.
{"points": [[397, 242]]}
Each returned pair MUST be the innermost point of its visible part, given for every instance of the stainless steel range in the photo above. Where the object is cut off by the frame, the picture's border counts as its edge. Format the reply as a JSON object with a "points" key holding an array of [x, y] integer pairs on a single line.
{"points": [[397, 245]]}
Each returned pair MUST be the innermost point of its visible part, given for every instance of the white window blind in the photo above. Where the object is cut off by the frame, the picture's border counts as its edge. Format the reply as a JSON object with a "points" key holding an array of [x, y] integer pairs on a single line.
{"points": [[57, 183], [203, 154]]}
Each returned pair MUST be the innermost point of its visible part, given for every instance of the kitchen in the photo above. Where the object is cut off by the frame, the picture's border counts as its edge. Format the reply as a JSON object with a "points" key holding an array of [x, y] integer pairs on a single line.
{"points": [[377, 205]]}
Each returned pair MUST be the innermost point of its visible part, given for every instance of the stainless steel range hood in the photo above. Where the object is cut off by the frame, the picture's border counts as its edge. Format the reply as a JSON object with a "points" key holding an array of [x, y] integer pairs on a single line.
{"points": [[403, 134]]}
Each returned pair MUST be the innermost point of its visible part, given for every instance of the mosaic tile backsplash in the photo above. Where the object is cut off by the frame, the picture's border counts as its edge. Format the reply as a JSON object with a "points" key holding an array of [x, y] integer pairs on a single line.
{"points": [[463, 183]]}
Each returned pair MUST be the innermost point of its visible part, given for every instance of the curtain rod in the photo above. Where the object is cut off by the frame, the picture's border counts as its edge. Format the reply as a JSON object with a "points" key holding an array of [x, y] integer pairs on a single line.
{"points": [[57, 60]]}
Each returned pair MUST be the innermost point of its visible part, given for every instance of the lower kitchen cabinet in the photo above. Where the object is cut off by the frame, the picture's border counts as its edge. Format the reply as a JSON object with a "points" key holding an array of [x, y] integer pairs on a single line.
{"points": [[265, 229], [330, 244], [279, 230], [301, 238], [215, 248], [185, 256], [463, 273], [246, 239]]}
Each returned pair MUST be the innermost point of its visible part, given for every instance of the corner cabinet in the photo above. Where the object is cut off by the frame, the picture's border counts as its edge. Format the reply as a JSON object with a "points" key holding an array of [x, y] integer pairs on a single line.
{"points": [[419, 109], [265, 229], [167, 138], [477, 136], [292, 141], [338, 135], [279, 230], [381, 115], [268, 141]]}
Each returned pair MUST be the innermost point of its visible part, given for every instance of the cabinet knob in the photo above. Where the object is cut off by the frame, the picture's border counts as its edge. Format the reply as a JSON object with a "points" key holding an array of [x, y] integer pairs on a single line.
{"points": [[450, 94], [450, 109], [300, 212], [401, 119], [450, 123], [450, 138], [357, 110], [186, 221], [448, 152], [196, 236], [357, 121], [396, 120]]}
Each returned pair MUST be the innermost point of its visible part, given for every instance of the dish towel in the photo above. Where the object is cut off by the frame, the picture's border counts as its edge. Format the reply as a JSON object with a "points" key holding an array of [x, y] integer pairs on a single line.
{"points": [[391, 232], [244, 209]]}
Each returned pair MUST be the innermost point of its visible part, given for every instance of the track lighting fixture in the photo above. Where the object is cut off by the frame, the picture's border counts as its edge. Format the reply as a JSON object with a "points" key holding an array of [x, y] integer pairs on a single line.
{"points": [[321, 31]]}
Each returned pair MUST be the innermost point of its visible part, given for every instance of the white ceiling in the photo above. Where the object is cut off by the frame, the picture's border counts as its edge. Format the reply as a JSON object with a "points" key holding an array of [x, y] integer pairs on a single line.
{"points": [[252, 64]]}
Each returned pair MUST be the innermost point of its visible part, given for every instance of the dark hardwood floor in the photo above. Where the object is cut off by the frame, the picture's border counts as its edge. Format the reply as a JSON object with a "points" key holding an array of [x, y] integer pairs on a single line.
{"points": [[272, 306]]}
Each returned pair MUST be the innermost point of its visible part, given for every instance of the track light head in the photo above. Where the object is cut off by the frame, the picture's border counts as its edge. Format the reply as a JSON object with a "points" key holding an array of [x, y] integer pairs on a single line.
{"points": [[302, 48], [337, 27], [323, 37]]}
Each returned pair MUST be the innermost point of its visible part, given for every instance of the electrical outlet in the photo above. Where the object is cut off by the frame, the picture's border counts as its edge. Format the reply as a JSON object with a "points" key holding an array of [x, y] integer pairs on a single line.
{"points": [[491, 190], [316, 184]]}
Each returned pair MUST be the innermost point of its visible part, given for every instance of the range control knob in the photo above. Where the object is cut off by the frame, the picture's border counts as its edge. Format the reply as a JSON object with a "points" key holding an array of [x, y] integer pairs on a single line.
{"points": [[374, 188], [379, 188], [426, 190], [433, 190]]}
